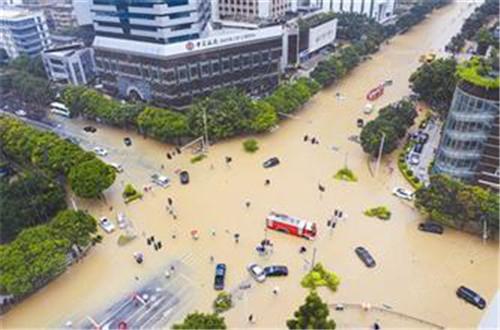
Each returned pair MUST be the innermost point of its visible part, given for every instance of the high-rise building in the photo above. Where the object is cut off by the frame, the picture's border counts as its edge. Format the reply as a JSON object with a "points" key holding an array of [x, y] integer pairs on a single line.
{"points": [[253, 9], [63, 16], [469, 145], [23, 32], [380, 10], [73, 64], [154, 21]]}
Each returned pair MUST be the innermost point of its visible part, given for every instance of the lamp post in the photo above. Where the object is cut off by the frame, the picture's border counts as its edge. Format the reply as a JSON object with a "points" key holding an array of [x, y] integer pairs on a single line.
{"points": [[381, 147]]}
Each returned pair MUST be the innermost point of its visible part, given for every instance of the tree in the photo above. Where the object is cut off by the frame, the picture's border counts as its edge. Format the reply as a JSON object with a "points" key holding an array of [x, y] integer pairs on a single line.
{"points": [[31, 200], [32, 259], [371, 137], [435, 83], [89, 179], [229, 112], [265, 117], [162, 124], [484, 39], [319, 276], [312, 315], [456, 204], [77, 227], [198, 320]]}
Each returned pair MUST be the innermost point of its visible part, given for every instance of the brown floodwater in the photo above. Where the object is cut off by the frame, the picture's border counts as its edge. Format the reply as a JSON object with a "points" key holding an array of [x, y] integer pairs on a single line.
{"points": [[416, 273]]}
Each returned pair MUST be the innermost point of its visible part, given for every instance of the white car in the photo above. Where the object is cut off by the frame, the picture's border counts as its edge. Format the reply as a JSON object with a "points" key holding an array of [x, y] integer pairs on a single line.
{"points": [[122, 220], [106, 225], [414, 159], [21, 113], [161, 180], [403, 193], [100, 151], [118, 168], [368, 108], [257, 272]]}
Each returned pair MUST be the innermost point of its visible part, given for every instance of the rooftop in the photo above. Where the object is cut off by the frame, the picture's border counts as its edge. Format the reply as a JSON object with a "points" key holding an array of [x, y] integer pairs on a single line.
{"points": [[477, 72], [8, 13]]}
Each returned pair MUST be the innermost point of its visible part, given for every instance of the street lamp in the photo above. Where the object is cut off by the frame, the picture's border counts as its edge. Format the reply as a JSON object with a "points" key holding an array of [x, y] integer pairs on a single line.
{"points": [[381, 147]]}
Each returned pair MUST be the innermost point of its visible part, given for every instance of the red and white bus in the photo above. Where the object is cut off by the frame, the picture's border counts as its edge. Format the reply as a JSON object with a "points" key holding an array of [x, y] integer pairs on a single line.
{"points": [[291, 225]]}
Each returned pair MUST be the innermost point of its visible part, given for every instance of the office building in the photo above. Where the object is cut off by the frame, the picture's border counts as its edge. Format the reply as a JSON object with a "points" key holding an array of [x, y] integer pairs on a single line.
{"points": [[468, 149], [153, 21], [72, 64], [23, 32], [380, 10], [82, 9], [173, 75], [252, 9], [63, 16]]}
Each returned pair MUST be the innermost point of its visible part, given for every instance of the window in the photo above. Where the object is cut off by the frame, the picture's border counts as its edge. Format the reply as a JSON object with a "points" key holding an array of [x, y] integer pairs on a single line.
{"points": [[215, 67], [182, 73]]}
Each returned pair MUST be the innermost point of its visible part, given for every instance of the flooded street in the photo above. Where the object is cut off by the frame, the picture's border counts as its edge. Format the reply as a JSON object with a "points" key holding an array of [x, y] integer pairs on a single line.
{"points": [[416, 273]]}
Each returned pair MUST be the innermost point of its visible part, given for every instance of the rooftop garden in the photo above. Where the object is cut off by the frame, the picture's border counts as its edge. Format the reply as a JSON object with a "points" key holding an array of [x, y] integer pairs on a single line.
{"points": [[315, 20], [478, 72]]}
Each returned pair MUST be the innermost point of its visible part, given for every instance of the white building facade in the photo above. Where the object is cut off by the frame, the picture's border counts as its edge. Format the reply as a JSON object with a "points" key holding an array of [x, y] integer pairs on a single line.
{"points": [[253, 9], [154, 21], [73, 64], [23, 32], [379, 10]]}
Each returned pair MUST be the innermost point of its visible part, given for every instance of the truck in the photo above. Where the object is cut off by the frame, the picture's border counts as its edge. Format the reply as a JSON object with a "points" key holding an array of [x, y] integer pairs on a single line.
{"points": [[291, 225]]}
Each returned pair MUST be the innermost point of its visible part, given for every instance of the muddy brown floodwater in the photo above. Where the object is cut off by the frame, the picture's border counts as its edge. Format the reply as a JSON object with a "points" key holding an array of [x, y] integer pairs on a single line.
{"points": [[416, 273]]}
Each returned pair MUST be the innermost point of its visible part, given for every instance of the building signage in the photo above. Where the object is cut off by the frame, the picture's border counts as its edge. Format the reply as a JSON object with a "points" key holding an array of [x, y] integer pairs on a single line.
{"points": [[322, 35], [220, 40]]}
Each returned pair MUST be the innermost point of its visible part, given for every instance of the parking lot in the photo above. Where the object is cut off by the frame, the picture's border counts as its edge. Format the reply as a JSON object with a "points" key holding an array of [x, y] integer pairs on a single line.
{"points": [[422, 153]]}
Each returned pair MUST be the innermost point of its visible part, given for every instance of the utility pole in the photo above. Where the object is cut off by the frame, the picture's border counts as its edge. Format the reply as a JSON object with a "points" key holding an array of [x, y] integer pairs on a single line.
{"points": [[380, 154], [313, 258], [345, 159], [205, 129], [485, 230]]}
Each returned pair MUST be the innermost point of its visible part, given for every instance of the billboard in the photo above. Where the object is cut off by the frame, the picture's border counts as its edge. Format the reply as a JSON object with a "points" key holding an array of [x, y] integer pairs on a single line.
{"points": [[322, 35]]}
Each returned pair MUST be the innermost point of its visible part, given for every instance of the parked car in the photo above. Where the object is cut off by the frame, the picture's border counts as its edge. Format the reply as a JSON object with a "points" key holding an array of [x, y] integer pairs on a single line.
{"points": [[276, 271], [118, 168], [90, 129], [257, 272], [431, 227], [423, 124], [418, 148], [127, 141], [471, 297], [414, 159], [220, 276], [20, 113], [360, 123], [106, 225], [161, 180], [423, 138], [365, 256], [100, 151], [122, 220], [184, 177], [271, 162], [403, 193]]}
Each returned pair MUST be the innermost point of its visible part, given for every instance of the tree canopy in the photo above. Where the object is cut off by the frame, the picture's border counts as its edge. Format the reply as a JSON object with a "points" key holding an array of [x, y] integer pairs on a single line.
{"points": [[435, 83], [77, 227], [456, 204], [30, 200], [198, 320], [162, 124], [393, 121], [90, 178], [312, 315]]}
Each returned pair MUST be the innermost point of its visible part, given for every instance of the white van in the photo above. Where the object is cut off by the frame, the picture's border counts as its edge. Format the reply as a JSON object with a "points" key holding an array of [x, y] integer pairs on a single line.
{"points": [[59, 109], [161, 180], [117, 167]]}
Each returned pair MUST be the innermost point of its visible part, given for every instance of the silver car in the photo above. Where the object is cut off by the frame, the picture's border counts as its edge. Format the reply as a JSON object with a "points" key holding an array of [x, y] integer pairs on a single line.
{"points": [[257, 272]]}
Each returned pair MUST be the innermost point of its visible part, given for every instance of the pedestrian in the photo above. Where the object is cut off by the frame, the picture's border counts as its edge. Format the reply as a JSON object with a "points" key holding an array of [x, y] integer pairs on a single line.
{"points": [[376, 326], [306, 137], [250, 318], [148, 241], [111, 208], [313, 140], [170, 201], [162, 166], [247, 204], [302, 249], [267, 182], [155, 246], [152, 238], [212, 259], [174, 216], [321, 188], [178, 150], [172, 268], [276, 290], [212, 232], [236, 238], [136, 278], [159, 245]]}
